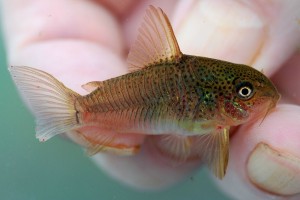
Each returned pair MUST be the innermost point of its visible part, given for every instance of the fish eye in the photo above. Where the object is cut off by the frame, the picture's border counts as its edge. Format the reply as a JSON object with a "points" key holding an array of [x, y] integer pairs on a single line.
{"points": [[245, 90]]}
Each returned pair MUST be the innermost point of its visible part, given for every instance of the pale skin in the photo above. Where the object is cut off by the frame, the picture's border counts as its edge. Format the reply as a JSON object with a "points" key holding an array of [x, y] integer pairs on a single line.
{"points": [[82, 41]]}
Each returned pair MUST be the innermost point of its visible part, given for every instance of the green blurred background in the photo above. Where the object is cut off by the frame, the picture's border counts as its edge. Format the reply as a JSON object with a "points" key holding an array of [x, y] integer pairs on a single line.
{"points": [[59, 169]]}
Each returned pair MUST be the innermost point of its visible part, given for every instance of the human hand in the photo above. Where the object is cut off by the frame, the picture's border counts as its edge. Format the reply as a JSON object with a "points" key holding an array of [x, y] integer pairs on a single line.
{"points": [[52, 34]]}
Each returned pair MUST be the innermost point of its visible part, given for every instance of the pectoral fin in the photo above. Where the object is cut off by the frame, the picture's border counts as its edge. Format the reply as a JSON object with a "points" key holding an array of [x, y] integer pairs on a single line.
{"points": [[214, 150]]}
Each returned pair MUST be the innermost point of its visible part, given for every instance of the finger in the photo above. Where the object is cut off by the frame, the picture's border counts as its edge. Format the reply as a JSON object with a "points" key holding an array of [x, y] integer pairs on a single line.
{"points": [[242, 32], [265, 159], [76, 42]]}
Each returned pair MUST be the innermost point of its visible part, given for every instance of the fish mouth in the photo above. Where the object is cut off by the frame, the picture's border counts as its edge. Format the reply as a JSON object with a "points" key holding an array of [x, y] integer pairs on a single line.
{"points": [[270, 106], [273, 97]]}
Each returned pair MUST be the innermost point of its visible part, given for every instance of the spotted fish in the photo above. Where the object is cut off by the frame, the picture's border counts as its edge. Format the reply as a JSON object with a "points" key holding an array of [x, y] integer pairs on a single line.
{"points": [[187, 102]]}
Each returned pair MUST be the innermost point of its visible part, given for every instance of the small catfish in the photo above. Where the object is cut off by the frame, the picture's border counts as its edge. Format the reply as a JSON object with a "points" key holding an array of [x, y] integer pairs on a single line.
{"points": [[190, 102]]}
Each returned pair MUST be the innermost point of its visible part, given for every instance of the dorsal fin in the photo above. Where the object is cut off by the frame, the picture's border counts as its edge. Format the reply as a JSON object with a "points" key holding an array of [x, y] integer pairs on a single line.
{"points": [[156, 42]]}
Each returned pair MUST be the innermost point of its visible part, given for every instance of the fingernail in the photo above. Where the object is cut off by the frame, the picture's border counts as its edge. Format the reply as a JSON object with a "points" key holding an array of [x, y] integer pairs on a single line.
{"points": [[274, 171]]}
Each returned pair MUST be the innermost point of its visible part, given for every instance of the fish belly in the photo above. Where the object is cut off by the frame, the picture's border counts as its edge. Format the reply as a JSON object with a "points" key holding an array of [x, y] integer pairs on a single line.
{"points": [[130, 123]]}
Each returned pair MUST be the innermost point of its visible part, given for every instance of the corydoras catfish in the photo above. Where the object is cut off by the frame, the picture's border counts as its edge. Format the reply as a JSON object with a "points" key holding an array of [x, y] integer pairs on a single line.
{"points": [[190, 101]]}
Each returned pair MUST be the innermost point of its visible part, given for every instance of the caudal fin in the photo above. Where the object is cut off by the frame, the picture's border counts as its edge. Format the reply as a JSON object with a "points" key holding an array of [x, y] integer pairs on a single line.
{"points": [[49, 100]]}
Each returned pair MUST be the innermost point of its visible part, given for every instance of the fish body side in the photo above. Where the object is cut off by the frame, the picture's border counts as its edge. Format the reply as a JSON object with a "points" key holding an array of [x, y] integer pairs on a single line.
{"points": [[171, 98], [160, 99]]}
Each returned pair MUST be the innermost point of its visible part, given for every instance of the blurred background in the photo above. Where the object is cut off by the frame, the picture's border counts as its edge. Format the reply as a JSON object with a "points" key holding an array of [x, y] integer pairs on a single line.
{"points": [[59, 169]]}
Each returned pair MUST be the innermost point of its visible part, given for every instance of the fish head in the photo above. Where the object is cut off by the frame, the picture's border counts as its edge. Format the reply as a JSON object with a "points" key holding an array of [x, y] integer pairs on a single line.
{"points": [[251, 97]]}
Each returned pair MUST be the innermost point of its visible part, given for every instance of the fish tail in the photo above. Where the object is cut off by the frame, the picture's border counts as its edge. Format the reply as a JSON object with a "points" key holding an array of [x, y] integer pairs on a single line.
{"points": [[50, 101]]}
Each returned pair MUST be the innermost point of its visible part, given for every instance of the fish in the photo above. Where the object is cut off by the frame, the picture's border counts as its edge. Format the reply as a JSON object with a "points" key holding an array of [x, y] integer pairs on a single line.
{"points": [[189, 103]]}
